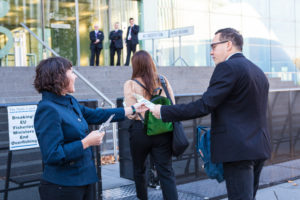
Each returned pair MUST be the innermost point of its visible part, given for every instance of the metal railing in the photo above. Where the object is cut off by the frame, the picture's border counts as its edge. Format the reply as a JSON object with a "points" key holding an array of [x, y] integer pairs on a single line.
{"points": [[32, 61], [86, 82]]}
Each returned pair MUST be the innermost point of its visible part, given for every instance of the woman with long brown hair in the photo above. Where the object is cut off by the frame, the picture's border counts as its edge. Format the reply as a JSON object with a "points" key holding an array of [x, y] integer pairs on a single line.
{"points": [[143, 82]]}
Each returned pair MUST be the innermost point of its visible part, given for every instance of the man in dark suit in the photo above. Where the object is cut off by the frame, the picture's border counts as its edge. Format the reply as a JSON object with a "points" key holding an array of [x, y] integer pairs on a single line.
{"points": [[116, 44], [96, 38], [237, 99], [131, 39]]}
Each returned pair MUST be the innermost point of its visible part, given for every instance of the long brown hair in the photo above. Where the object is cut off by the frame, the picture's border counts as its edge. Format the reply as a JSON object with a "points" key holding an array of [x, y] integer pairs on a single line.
{"points": [[144, 68]]}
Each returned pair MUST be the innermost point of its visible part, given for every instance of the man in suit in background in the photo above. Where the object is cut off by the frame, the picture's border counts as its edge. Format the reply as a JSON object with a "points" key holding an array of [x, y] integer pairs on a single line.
{"points": [[96, 38], [131, 39], [116, 44], [237, 99]]}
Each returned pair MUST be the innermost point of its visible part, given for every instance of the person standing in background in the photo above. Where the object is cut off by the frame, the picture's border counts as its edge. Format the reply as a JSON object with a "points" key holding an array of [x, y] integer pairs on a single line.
{"points": [[96, 46], [116, 44], [131, 39]]}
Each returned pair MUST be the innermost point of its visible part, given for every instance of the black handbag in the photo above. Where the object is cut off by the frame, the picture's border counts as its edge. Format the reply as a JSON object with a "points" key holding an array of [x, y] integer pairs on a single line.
{"points": [[179, 141]]}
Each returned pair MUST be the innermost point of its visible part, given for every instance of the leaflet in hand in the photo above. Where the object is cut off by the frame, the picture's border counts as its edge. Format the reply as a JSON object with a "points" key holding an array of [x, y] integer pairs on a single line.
{"points": [[141, 99]]}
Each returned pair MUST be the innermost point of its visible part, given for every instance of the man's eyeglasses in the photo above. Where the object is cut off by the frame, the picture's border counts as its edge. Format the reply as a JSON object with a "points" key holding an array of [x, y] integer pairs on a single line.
{"points": [[213, 45]]}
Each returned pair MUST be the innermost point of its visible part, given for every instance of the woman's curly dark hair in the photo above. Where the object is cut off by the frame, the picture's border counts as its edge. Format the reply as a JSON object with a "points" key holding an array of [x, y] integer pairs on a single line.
{"points": [[51, 75]]}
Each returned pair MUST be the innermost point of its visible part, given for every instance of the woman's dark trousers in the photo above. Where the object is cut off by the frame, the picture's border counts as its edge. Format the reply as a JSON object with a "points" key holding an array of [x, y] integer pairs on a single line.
{"points": [[159, 147]]}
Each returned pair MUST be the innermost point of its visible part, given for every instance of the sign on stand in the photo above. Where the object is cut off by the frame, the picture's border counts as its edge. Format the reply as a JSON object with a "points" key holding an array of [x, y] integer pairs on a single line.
{"points": [[189, 30], [20, 125], [153, 35], [178, 32]]}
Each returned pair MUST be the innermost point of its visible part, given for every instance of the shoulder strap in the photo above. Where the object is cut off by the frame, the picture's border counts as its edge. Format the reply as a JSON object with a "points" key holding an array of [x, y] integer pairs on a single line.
{"points": [[138, 82], [139, 114], [163, 84], [154, 91]]}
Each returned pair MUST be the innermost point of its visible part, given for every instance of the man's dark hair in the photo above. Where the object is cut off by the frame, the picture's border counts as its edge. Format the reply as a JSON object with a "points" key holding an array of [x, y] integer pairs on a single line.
{"points": [[51, 75], [232, 35], [131, 18]]}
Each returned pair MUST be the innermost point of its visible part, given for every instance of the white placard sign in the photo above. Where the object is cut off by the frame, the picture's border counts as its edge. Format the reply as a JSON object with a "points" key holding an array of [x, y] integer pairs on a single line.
{"points": [[61, 26], [153, 35], [20, 126], [189, 30]]}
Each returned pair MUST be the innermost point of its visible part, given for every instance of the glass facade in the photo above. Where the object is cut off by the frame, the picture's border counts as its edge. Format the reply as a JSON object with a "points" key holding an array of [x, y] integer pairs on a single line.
{"points": [[54, 21], [271, 31]]}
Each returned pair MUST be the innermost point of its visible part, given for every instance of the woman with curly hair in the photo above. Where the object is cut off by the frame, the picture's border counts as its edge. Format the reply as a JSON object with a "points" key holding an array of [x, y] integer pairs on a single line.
{"points": [[61, 125]]}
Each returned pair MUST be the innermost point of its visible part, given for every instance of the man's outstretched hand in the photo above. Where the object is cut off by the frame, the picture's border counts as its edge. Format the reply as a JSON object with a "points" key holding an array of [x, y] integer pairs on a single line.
{"points": [[140, 107], [156, 111]]}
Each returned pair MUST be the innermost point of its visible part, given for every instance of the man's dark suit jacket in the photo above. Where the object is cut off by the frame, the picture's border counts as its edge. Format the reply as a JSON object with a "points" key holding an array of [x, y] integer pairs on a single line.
{"points": [[237, 99], [116, 39], [93, 38], [134, 34]]}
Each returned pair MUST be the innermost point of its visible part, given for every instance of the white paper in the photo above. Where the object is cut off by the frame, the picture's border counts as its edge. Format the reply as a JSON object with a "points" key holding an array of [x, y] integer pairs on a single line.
{"points": [[141, 99]]}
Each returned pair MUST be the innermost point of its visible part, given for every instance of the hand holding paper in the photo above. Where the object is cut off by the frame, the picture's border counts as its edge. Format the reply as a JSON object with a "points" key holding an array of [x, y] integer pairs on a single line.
{"points": [[156, 111], [140, 107], [141, 99]]}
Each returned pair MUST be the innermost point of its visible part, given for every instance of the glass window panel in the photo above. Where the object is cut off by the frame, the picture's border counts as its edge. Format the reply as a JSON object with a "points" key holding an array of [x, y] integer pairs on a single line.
{"points": [[297, 63], [105, 15], [192, 45], [298, 34], [258, 54], [192, 5], [218, 21], [283, 10], [297, 10], [283, 33], [195, 47], [255, 31], [25, 49], [60, 28], [165, 52], [282, 59], [297, 60], [232, 7], [255, 8]]}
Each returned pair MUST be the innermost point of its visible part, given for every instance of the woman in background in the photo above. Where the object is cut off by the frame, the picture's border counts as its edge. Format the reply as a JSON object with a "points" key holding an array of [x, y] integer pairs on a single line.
{"points": [[61, 125], [159, 146]]}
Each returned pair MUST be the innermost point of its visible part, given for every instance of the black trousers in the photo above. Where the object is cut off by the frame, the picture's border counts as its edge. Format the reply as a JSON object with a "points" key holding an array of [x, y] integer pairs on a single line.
{"points": [[50, 191], [159, 147], [242, 178], [113, 50], [130, 48], [95, 52]]}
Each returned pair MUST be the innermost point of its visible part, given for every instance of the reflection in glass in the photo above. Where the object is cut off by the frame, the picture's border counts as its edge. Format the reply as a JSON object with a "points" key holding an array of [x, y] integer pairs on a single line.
{"points": [[258, 54], [255, 8], [60, 28], [25, 51], [255, 31], [219, 21], [282, 59], [282, 10], [284, 32], [232, 7], [297, 34]]}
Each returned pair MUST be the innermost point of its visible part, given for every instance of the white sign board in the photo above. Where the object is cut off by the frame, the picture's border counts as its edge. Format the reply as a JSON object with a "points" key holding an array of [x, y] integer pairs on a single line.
{"points": [[153, 35], [20, 126], [182, 31], [61, 26]]}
